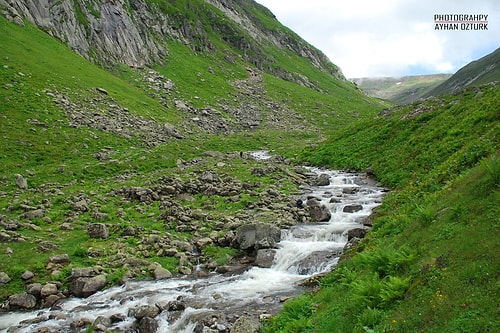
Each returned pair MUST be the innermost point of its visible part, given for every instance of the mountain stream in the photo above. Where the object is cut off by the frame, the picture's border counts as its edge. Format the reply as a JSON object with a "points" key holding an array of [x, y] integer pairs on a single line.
{"points": [[304, 251]]}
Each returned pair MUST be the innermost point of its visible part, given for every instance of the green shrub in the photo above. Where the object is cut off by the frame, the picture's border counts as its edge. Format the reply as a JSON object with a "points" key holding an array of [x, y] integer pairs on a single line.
{"points": [[296, 316], [424, 214], [492, 168], [386, 261]]}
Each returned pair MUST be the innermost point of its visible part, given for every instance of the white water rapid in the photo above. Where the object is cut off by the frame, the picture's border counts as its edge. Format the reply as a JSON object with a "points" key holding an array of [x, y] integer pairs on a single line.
{"points": [[304, 250]]}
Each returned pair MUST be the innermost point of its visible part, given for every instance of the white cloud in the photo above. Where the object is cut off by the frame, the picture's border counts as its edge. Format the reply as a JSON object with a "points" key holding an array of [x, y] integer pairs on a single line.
{"points": [[389, 37]]}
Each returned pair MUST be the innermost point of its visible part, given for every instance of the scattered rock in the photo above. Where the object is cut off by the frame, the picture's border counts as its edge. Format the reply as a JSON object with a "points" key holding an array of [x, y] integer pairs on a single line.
{"points": [[86, 286], [49, 289], [34, 289], [60, 259], [4, 278], [33, 214], [21, 182], [101, 90], [22, 301], [161, 273], [97, 230], [27, 275], [246, 325]]}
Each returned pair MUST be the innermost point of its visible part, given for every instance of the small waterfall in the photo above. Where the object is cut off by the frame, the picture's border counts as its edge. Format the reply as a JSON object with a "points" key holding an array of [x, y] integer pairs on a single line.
{"points": [[304, 250]]}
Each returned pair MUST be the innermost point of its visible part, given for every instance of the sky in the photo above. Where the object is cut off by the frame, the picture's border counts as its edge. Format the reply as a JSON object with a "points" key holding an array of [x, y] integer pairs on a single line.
{"points": [[377, 38]]}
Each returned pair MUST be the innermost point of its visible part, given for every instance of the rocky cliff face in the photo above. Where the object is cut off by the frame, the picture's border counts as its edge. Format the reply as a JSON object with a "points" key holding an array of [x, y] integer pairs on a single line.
{"points": [[137, 32]]}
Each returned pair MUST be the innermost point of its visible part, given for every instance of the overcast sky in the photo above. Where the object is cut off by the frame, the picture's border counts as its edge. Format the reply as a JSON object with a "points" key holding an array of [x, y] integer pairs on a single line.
{"points": [[373, 38]]}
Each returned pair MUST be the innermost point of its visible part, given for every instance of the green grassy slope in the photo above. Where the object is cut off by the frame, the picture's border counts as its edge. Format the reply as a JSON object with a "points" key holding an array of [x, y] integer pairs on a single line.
{"points": [[430, 264], [39, 74]]}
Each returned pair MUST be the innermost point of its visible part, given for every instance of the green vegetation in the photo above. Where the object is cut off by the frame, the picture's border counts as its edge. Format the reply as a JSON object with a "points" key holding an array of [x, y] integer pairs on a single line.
{"points": [[59, 159], [429, 265], [430, 262]]}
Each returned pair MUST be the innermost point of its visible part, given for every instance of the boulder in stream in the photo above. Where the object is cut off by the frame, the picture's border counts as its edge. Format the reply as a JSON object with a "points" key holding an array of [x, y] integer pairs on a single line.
{"points": [[257, 236], [318, 211], [265, 258]]}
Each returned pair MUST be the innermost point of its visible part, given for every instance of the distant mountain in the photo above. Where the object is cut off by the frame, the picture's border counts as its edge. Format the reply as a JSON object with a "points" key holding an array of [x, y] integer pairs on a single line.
{"points": [[484, 70], [400, 90]]}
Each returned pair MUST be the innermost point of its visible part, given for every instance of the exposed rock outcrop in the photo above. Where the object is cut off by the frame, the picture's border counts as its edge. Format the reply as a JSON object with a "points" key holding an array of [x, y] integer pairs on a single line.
{"points": [[133, 32]]}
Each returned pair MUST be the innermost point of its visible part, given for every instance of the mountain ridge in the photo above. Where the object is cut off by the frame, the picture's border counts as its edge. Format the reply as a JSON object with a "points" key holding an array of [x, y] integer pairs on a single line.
{"points": [[136, 33], [401, 90], [477, 72]]}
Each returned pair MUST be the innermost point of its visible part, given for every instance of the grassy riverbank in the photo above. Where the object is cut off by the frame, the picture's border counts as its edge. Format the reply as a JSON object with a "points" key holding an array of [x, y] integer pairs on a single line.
{"points": [[430, 264]]}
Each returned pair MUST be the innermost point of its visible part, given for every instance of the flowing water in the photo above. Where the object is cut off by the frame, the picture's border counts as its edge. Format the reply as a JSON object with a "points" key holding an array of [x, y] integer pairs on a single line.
{"points": [[304, 250]]}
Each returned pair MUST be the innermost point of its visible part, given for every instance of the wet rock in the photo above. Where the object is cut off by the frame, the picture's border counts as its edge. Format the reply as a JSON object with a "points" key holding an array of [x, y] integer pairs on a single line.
{"points": [[117, 317], [257, 236], [315, 260], [317, 211], [97, 230], [322, 180], [50, 300], [265, 258], [175, 306], [352, 208], [349, 190], [357, 233], [102, 322], [148, 325], [246, 325], [185, 270], [22, 301], [142, 311]]}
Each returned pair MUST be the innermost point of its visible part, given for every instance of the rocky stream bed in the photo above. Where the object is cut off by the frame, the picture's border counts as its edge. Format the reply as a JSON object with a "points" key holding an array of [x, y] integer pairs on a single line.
{"points": [[233, 298]]}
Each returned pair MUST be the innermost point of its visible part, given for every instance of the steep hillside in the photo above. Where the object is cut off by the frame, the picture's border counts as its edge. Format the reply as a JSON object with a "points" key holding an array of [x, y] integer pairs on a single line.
{"points": [[430, 263], [137, 33], [151, 143], [481, 71], [400, 90], [125, 130]]}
